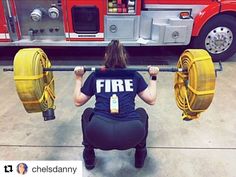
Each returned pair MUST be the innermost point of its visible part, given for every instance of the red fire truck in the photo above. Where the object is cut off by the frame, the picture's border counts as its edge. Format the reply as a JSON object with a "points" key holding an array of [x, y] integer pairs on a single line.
{"points": [[208, 24]]}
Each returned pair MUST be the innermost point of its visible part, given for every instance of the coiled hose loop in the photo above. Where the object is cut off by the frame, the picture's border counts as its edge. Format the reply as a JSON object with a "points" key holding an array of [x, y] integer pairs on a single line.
{"points": [[35, 87], [194, 89]]}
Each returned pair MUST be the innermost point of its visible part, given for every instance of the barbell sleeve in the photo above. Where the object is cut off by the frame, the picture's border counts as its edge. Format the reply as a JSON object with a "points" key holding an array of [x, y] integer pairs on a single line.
{"points": [[220, 67], [7, 69]]}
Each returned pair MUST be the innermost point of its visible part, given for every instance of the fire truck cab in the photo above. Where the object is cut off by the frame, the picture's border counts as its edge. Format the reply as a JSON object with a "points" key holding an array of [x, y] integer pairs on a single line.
{"points": [[208, 24]]}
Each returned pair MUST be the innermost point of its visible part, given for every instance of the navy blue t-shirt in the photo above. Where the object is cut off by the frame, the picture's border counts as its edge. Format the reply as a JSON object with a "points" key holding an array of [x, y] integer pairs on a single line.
{"points": [[125, 85]]}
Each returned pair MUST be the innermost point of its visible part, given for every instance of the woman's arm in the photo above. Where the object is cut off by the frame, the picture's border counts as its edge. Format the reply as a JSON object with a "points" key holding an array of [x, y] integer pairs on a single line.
{"points": [[149, 95], [79, 97]]}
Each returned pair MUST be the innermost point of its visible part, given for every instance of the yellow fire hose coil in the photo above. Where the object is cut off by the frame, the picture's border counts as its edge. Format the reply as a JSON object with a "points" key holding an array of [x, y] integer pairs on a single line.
{"points": [[194, 89], [35, 87]]}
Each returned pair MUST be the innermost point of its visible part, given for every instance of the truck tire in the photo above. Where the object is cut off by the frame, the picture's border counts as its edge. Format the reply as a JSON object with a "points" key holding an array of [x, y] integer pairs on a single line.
{"points": [[218, 37]]}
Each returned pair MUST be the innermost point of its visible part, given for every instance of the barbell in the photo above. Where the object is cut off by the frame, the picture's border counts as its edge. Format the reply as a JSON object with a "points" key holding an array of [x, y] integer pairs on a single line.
{"points": [[194, 81], [103, 69]]}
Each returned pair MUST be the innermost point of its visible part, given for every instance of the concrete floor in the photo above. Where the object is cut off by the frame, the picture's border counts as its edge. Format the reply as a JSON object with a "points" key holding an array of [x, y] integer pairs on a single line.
{"points": [[199, 148]]}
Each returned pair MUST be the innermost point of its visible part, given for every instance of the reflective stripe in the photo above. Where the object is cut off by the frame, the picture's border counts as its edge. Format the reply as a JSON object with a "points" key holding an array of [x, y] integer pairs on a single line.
{"points": [[7, 35], [75, 35], [196, 8], [4, 36]]}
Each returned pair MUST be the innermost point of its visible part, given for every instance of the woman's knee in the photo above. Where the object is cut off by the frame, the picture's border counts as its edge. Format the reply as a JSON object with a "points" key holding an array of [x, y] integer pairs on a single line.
{"points": [[142, 112], [87, 114]]}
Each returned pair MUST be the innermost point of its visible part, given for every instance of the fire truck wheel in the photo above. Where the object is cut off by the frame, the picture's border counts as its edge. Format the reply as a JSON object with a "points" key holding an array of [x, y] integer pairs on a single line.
{"points": [[218, 37]]}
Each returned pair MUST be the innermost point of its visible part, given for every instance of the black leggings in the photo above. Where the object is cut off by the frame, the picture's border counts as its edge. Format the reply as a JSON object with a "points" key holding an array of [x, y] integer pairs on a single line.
{"points": [[106, 134]]}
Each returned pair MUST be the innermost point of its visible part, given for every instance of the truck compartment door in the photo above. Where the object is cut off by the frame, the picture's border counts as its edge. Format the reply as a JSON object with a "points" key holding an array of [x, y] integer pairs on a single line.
{"points": [[164, 28], [121, 27]]}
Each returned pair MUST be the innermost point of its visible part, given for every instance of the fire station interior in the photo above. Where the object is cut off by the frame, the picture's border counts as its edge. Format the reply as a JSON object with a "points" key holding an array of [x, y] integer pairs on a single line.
{"points": [[201, 146]]}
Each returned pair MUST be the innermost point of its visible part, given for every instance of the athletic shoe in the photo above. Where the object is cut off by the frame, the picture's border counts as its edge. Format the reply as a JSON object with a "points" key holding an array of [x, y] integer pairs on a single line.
{"points": [[140, 155], [89, 158]]}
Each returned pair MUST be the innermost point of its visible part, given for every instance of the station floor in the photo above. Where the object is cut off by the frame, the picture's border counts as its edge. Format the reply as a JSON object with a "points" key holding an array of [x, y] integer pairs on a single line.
{"points": [[205, 147]]}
